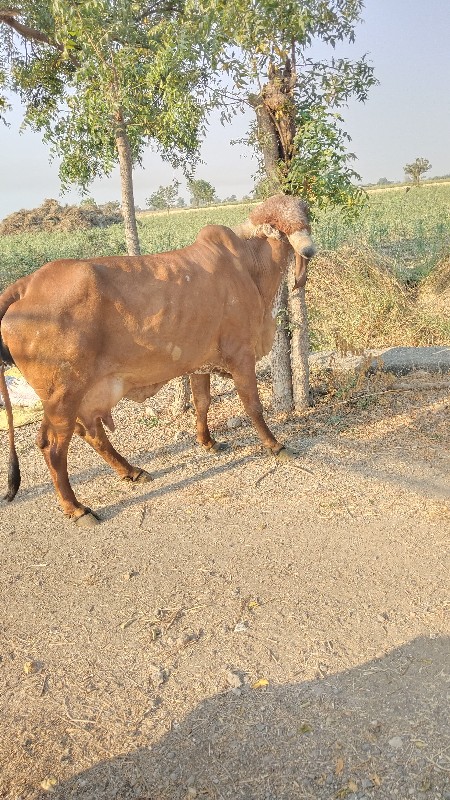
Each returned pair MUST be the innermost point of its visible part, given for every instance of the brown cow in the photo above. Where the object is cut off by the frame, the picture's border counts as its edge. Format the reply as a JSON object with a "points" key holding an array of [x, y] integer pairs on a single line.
{"points": [[86, 333]]}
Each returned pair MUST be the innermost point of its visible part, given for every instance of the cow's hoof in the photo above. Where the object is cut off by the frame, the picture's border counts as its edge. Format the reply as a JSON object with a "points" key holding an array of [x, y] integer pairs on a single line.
{"points": [[285, 454], [217, 447], [88, 519], [143, 477]]}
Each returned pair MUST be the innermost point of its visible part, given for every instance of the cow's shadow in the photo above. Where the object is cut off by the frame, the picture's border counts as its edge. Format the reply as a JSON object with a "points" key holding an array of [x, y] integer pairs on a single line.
{"points": [[375, 731]]}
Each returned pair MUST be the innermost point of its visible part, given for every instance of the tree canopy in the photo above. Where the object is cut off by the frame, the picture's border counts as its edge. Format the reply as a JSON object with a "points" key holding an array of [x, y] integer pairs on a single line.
{"points": [[202, 192], [165, 197], [300, 134], [104, 78], [417, 169]]}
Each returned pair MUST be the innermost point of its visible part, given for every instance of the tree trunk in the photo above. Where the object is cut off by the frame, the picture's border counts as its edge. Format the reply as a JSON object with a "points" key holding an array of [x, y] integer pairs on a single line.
{"points": [[282, 394], [267, 139], [299, 344], [126, 185], [275, 117]]}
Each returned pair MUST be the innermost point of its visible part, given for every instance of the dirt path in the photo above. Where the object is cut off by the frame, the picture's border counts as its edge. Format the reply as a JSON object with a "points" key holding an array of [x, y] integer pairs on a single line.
{"points": [[237, 629]]}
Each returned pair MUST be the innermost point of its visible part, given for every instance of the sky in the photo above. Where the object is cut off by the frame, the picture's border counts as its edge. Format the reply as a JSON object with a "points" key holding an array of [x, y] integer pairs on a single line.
{"points": [[406, 116]]}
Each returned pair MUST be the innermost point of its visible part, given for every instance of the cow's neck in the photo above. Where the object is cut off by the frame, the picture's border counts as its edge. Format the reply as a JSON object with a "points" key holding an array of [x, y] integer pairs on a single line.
{"points": [[270, 260]]}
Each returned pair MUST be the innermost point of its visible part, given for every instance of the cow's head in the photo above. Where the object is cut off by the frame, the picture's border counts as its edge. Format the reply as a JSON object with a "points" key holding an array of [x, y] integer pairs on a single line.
{"points": [[289, 216]]}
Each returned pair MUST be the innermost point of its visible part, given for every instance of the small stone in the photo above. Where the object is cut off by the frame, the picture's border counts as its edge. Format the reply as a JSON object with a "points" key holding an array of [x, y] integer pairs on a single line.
{"points": [[234, 422], [157, 675], [234, 679], [241, 627], [192, 792], [49, 784], [127, 576], [396, 742], [181, 435]]}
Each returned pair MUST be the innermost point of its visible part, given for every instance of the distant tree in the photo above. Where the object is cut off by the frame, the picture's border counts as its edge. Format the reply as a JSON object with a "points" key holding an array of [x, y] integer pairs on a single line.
{"points": [[112, 206], [181, 202], [417, 169], [231, 199], [165, 197], [382, 182], [88, 202], [202, 193]]}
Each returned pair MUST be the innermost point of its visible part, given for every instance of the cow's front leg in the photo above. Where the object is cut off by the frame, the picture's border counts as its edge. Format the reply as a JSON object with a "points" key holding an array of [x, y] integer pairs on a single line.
{"points": [[245, 381], [201, 395], [101, 444], [53, 440]]}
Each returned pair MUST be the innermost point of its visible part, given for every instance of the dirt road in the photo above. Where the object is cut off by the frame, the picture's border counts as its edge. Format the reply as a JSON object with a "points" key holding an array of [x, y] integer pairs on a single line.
{"points": [[238, 628]]}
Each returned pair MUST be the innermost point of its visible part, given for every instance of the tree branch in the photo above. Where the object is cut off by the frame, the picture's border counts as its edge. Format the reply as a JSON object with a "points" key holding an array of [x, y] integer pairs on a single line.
{"points": [[8, 16]]}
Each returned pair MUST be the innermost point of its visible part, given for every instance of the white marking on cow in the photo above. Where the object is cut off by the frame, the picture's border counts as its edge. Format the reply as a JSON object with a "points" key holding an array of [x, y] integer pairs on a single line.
{"points": [[176, 353]]}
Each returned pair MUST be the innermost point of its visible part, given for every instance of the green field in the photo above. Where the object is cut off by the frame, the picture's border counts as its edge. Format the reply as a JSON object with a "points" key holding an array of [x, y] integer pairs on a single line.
{"points": [[405, 235]]}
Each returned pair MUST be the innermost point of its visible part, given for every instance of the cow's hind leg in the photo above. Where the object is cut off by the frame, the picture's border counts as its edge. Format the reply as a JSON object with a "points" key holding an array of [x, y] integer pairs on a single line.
{"points": [[53, 440], [104, 448], [245, 381], [201, 395]]}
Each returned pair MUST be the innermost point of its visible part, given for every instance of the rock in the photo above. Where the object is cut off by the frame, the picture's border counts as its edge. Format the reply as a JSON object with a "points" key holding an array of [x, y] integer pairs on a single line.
{"points": [[241, 627], [396, 742], [181, 435], [234, 678], [157, 675], [234, 422], [402, 360]]}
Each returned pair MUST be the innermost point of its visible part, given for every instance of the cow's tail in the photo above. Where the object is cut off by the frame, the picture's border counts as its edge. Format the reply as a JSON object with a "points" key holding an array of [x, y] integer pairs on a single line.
{"points": [[6, 299]]}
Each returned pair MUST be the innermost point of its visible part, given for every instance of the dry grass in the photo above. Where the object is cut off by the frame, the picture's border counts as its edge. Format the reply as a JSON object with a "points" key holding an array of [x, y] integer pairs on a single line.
{"points": [[355, 302], [52, 216], [434, 291]]}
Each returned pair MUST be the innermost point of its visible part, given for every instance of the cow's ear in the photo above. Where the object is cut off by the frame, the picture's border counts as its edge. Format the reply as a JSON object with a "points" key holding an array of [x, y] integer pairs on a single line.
{"points": [[301, 271], [268, 231]]}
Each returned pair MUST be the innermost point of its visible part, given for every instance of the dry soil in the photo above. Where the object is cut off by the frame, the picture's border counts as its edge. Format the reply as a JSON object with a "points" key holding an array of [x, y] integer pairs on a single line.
{"points": [[238, 628]]}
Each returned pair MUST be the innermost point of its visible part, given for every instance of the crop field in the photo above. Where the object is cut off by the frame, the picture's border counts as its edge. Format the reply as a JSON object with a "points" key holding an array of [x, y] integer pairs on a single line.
{"points": [[369, 269]]}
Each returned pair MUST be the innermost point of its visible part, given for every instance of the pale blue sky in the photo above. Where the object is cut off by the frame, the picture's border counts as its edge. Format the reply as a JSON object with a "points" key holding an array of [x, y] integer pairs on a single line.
{"points": [[406, 116]]}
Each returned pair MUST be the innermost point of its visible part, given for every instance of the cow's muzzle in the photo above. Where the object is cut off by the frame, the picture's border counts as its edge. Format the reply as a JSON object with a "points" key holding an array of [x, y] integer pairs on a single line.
{"points": [[304, 251]]}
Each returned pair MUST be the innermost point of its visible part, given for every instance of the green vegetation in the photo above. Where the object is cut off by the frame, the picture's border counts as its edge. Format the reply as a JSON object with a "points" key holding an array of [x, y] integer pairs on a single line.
{"points": [[410, 229], [418, 168], [368, 286]]}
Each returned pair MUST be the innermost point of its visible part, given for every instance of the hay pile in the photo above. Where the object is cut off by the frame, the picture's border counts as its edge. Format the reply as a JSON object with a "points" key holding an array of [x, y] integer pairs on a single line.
{"points": [[355, 303], [434, 291], [51, 216]]}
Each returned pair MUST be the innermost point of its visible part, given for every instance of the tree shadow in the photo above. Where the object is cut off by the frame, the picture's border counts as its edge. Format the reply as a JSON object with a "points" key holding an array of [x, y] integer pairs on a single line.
{"points": [[378, 730]]}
